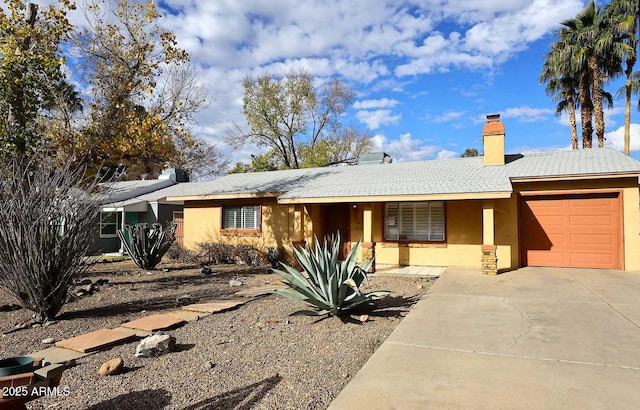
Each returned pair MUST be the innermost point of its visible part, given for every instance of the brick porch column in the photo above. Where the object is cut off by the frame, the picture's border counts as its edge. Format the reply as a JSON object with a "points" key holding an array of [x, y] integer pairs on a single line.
{"points": [[369, 252]]}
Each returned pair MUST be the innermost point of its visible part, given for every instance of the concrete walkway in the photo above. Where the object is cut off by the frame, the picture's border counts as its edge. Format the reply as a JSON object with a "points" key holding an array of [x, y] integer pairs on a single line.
{"points": [[409, 270], [534, 338]]}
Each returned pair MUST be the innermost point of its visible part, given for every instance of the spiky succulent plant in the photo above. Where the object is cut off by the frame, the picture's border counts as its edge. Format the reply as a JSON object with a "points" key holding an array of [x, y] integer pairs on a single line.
{"points": [[147, 246], [329, 285]]}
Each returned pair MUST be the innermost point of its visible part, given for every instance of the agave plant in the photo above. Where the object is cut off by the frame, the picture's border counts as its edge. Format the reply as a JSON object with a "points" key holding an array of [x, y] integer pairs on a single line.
{"points": [[147, 246], [329, 285]]}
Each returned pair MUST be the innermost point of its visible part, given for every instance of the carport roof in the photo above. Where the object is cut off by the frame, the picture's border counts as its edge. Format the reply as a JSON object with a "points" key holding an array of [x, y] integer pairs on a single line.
{"points": [[458, 176]]}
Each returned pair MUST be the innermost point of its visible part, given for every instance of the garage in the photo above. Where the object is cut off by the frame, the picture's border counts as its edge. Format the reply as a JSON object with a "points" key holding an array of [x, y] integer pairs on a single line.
{"points": [[577, 231]]}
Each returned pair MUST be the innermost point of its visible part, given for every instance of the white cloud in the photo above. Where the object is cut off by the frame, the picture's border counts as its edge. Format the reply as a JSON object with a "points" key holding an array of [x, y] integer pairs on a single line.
{"points": [[405, 148], [374, 119], [615, 138], [381, 103], [527, 114], [446, 116], [446, 154]]}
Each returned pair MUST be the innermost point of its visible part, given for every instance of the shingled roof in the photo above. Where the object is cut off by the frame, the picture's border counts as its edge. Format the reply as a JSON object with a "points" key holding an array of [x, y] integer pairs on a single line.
{"points": [[423, 178]]}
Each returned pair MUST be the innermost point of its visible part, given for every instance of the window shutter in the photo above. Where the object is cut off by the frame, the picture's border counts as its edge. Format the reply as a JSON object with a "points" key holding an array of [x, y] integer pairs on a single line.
{"points": [[421, 221], [392, 222], [231, 217], [250, 216], [406, 221], [436, 217]]}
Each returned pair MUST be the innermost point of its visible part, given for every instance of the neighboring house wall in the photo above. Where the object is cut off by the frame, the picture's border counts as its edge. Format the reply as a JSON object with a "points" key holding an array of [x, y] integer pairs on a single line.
{"points": [[103, 244], [166, 211]]}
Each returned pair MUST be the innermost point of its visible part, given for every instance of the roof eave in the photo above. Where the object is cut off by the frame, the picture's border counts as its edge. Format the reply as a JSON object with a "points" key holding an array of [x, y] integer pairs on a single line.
{"points": [[397, 198], [235, 195], [606, 175]]}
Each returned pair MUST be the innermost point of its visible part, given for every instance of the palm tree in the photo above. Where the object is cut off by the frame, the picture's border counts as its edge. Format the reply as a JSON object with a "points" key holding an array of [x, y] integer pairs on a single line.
{"points": [[567, 58], [625, 21], [563, 90], [589, 51]]}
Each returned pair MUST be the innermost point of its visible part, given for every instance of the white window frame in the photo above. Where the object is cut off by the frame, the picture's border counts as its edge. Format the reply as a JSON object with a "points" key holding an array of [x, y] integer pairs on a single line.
{"points": [[240, 220], [103, 224], [397, 229]]}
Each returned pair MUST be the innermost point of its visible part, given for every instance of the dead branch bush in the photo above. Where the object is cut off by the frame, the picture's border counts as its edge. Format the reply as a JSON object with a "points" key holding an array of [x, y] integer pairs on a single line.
{"points": [[48, 227]]}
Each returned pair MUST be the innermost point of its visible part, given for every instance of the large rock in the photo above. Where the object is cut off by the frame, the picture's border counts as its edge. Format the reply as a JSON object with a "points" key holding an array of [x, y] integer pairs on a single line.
{"points": [[155, 345], [112, 367]]}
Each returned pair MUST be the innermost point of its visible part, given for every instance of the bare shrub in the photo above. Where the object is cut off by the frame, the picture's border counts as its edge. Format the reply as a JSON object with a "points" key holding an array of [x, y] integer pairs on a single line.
{"points": [[213, 253], [179, 253], [251, 256], [48, 226]]}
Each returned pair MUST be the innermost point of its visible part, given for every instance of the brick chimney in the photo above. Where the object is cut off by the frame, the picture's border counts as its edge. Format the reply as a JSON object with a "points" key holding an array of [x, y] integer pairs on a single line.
{"points": [[493, 140]]}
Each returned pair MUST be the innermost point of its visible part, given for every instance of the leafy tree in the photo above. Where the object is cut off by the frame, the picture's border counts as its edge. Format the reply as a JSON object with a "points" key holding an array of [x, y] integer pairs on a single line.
{"points": [[470, 152], [259, 163], [30, 61], [298, 125], [144, 93]]}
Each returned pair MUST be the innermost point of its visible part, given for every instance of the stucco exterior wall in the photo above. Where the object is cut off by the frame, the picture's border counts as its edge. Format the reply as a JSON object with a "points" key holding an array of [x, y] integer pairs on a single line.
{"points": [[203, 223], [282, 224], [463, 224]]}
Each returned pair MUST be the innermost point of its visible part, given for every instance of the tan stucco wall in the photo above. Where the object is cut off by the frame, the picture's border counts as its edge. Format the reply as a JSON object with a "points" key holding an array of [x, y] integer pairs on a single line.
{"points": [[203, 222], [463, 239]]}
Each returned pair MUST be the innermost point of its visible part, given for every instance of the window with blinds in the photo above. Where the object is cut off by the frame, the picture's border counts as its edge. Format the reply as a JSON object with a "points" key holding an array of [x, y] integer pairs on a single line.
{"points": [[241, 217], [414, 221]]}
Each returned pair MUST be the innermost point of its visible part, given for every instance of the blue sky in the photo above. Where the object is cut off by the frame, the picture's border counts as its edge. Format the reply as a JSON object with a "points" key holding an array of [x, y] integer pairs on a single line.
{"points": [[426, 72]]}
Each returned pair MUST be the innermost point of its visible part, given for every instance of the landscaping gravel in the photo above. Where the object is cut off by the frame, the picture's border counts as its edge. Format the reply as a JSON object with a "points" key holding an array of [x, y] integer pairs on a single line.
{"points": [[255, 356]]}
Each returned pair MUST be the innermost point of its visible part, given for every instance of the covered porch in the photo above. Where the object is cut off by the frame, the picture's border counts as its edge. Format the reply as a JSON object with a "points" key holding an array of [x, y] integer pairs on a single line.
{"points": [[480, 233]]}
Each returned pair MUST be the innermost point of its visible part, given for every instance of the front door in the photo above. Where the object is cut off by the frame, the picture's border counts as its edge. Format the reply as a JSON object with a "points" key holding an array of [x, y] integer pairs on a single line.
{"points": [[337, 219]]}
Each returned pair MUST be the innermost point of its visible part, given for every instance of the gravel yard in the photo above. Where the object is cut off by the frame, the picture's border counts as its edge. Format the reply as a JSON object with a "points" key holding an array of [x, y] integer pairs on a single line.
{"points": [[255, 356]]}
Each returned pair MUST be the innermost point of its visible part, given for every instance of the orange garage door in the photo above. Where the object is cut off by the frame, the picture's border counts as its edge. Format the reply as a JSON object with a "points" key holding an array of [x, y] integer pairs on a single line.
{"points": [[578, 231]]}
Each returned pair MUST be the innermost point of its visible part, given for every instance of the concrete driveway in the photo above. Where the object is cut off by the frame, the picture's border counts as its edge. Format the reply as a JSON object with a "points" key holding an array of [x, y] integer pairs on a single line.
{"points": [[533, 338]]}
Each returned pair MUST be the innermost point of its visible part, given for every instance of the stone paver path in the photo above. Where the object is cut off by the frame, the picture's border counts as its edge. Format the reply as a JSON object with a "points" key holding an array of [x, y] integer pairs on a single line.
{"points": [[215, 306], [154, 323], [102, 339], [96, 340]]}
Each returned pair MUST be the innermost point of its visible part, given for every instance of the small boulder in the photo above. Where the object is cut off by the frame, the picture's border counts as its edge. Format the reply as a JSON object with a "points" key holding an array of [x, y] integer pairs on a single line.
{"points": [[234, 282], [84, 282], [155, 345], [205, 270], [102, 281], [112, 367], [48, 341], [185, 300], [364, 318]]}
